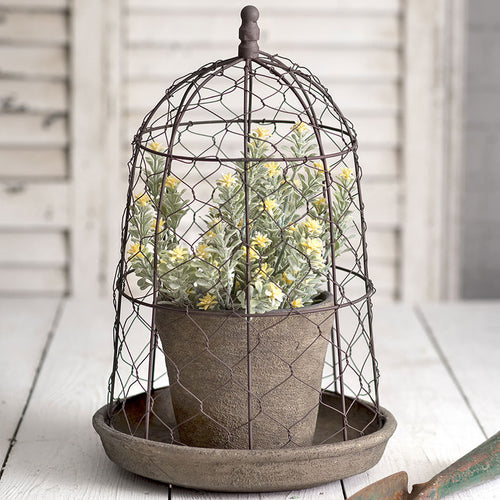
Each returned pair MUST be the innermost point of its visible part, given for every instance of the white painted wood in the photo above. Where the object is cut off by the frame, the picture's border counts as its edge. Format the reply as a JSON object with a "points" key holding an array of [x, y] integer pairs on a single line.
{"points": [[277, 29], [24, 327], [87, 141], [29, 130], [35, 4], [342, 64], [432, 94], [468, 334], [435, 426], [57, 424], [20, 95], [453, 77], [115, 184], [27, 280], [34, 205], [40, 27], [17, 248], [17, 163], [40, 62], [338, 6]]}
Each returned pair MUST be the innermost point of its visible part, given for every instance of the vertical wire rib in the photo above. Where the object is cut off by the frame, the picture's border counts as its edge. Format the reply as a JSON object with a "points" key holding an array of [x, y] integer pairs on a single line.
{"points": [[309, 110], [247, 110]]}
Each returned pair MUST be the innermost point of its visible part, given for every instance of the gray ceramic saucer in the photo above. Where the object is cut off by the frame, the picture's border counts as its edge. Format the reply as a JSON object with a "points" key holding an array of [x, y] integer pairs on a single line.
{"points": [[243, 470]]}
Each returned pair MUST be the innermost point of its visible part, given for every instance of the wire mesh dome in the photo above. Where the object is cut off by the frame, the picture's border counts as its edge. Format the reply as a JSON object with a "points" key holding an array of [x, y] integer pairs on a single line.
{"points": [[242, 296]]}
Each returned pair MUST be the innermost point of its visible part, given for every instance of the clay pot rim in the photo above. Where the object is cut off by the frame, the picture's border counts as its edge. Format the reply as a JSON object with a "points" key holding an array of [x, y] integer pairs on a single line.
{"points": [[326, 304]]}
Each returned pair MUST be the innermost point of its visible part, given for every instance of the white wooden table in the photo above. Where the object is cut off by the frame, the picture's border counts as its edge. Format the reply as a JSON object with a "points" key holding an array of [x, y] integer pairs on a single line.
{"points": [[440, 374]]}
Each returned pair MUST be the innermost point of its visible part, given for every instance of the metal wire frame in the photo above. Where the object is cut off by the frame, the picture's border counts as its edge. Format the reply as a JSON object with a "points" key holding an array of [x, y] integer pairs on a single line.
{"points": [[169, 120]]}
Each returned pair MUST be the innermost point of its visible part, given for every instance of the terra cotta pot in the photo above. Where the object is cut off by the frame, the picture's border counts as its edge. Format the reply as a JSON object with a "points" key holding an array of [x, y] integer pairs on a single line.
{"points": [[207, 363]]}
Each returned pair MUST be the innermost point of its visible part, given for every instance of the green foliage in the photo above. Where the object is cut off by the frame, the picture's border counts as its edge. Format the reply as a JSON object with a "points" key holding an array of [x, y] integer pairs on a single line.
{"points": [[286, 261]]}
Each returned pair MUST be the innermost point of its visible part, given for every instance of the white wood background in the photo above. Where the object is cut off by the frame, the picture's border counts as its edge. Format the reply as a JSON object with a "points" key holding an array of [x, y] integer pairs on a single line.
{"points": [[439, 377], [76, 78]]}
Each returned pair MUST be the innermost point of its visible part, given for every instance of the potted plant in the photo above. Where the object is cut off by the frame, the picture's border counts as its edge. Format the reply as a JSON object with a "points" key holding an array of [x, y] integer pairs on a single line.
{"points": [[242, 310]]}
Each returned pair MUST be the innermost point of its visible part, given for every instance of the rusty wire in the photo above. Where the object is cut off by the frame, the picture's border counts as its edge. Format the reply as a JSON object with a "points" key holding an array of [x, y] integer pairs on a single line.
{"points": [[203, 129]]}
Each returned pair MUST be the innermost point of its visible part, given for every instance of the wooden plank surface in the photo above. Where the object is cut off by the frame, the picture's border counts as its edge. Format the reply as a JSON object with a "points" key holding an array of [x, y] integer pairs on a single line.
{"points": [[468, 338], [34, 27], [435, 425], [24, 327], [19, 163], [28, 205], [278, 29], [347, 64], [29, 62], [337, 6]]}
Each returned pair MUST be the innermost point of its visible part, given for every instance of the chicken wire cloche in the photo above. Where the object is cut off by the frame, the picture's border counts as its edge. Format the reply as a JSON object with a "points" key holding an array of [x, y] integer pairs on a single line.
{"points": [[243, 344]]}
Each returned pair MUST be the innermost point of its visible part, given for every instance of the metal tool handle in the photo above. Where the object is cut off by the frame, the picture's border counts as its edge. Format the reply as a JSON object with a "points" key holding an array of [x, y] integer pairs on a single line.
{"points": [[478, 466]]}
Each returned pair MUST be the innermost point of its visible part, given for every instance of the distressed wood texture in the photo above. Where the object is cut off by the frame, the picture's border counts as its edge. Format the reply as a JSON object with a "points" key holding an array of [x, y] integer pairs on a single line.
{"points": [[432, 96], [438, 397], [468, 336], [34, 117], [24, 329]]}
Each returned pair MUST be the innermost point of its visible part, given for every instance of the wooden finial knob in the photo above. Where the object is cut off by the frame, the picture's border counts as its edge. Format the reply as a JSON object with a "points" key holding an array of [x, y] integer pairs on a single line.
{"points": [[249, 33]]}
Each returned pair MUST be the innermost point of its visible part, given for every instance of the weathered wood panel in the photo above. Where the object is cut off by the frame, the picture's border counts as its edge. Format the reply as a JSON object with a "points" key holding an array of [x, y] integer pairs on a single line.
{"points": [[337, 6], [30, 27], [347, 64], [34, 205], [277, 29], [33, 248], [19, 95], [20, 163], [35, 61], [35, 4], [24, 280], [31, 130], [25, 326]]}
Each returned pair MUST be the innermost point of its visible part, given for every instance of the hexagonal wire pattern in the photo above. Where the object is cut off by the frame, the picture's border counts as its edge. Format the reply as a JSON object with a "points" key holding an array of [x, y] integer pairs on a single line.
{"points": [[243, 263]]}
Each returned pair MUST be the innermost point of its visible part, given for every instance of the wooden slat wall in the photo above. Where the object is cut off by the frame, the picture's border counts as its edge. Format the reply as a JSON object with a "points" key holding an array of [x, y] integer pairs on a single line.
{"points": [[34, 114], [353, 47]]}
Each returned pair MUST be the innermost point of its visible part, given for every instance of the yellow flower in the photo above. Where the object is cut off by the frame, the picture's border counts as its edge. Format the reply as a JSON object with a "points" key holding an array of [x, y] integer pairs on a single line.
{"points": [[253, 254], [274, 293], [286, 279], [312, 246], [261, 240], [227, 180], [209, 301], [292, 228], [320, 203], [142, 198], [161, 225], [300, 127], [178, 253], [261, 132], [201, 251], [297, 303], [313, 226], [135, 251], [273, 169], [270, 205], [171, 181], [346, 174], [265, 270], [156, 146], [320, 167]]}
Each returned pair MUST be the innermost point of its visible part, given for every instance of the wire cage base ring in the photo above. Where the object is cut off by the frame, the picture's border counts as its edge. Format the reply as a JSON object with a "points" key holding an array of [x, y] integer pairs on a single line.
{"points": [[242, 470]]}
